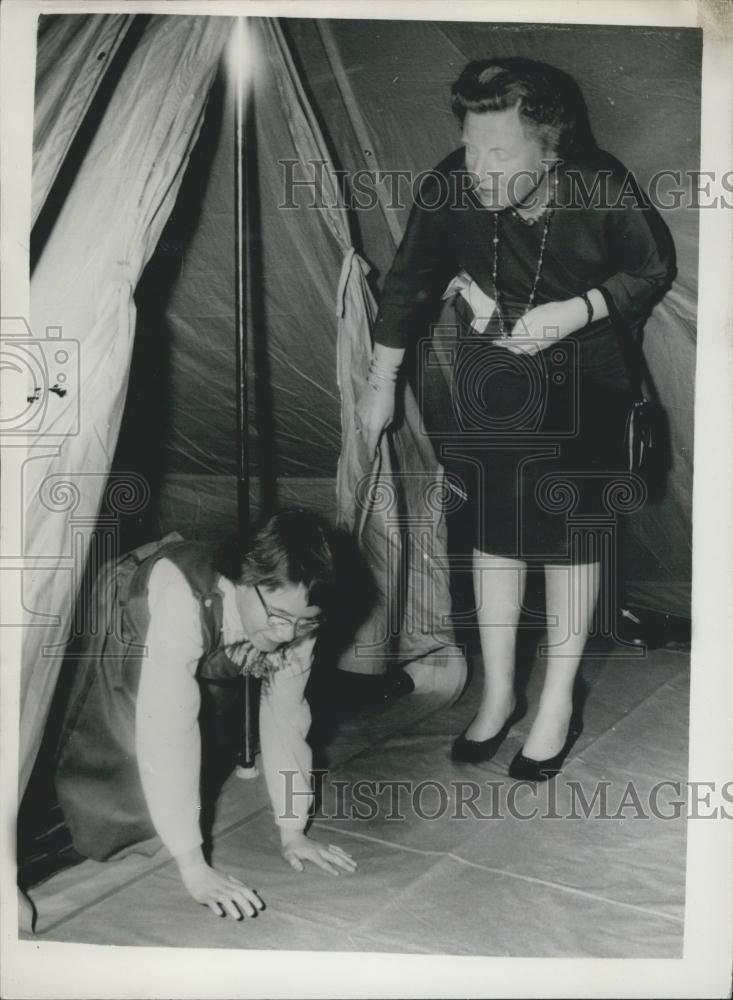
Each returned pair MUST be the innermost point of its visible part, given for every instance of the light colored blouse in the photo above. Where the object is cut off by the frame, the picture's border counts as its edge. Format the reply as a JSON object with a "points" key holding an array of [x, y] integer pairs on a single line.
{"points": [[167, 737]]}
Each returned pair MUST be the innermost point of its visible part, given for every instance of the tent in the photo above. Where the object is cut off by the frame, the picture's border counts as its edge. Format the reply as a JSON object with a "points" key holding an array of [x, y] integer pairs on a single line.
{"points": [[374, 119], [133, 259]]}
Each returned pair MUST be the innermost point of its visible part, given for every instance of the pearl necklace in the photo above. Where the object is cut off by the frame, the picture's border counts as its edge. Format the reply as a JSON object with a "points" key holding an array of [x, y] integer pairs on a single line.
{"points": [[538, 271]]}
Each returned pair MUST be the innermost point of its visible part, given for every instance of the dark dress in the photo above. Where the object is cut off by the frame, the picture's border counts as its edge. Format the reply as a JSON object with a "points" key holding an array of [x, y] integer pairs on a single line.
{"points": [[535, 442]]}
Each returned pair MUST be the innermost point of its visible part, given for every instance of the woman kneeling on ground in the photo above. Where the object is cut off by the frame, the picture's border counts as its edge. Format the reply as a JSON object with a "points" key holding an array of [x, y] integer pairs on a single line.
{"points": [[154, 691]]}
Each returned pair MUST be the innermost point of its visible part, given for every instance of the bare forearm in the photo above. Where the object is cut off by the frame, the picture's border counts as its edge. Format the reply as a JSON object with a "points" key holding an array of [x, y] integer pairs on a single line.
{"points": [[190, 861]]}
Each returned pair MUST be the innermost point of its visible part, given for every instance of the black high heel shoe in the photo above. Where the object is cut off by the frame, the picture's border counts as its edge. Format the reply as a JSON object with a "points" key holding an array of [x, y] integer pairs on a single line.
{"points": [[527, 769], [478, 751]]}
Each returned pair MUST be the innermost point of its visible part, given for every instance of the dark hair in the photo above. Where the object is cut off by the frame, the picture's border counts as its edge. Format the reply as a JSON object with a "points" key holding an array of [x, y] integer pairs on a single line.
{"points": [[549, 100], [290, 547]]}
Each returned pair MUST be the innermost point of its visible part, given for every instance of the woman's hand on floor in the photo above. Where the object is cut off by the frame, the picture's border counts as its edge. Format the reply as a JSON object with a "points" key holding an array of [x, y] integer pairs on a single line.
{"points": [[297, 848], [224, 894]]}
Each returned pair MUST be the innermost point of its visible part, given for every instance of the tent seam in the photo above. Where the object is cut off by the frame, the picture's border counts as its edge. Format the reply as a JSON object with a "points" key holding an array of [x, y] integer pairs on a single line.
{"points": [[442, 855]]}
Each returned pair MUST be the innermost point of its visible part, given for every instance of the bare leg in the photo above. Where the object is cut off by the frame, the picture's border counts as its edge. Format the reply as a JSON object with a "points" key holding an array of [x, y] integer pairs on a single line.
{"points": [[571, 595], [498, 584]]}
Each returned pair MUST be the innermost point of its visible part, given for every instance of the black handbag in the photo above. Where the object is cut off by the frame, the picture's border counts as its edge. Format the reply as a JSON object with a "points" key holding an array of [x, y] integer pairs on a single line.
{"points": [[639, 435], [642, 441]]}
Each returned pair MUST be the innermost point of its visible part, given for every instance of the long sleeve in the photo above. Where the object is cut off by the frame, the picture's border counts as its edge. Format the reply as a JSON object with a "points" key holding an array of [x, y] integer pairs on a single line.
{"points": [[642, 250], [423, 265], [168, 740], [285, 719]]}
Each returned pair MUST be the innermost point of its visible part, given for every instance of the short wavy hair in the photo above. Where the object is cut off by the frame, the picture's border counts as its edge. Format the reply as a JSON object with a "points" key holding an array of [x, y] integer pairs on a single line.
{"points": [[292, 546], [550, 101]]}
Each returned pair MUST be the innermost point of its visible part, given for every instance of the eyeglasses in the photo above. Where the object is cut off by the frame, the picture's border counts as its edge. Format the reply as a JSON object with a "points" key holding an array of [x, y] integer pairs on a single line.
{"points": [[300, 626]]}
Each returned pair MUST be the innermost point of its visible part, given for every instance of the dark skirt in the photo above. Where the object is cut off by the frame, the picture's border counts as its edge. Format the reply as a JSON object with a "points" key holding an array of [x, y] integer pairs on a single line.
{"points": [[532, 442]]}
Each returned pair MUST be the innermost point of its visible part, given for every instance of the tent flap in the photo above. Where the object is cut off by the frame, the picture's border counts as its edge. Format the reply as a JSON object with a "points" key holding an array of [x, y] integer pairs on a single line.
{"points": [[65, 87], [83, 284]]}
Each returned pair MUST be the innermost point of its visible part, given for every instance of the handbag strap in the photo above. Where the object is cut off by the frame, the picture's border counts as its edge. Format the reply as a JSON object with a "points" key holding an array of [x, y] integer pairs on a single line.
{"points": [[635, 362]]}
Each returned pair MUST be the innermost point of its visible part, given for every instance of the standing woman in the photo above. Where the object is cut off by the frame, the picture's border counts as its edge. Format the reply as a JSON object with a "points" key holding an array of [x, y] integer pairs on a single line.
{"points": [[548, 240]]}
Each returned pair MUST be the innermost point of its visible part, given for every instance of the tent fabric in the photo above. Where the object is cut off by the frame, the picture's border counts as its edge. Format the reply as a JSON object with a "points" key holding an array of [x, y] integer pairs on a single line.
{"points": [[395, 506], [85, 276], [84, 282], [65, 89], [310, 145], [365, 491], [293, 416], [428, 604], [400, 74], [355, 311]]}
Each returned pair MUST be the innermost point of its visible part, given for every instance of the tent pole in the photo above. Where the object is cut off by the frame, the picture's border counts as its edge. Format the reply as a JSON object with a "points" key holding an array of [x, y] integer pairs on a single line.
{"points": [[240, 288], [242, 62]]}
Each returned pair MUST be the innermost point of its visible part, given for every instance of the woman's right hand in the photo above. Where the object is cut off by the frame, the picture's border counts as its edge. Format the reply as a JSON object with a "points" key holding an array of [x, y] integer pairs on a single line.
{"points": [[225, 895], [374, 414]]}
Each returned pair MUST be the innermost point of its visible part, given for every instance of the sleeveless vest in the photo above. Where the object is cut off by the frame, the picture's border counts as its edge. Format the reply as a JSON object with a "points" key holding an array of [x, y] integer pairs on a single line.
{"points": [[195, 561], [97, 776]]}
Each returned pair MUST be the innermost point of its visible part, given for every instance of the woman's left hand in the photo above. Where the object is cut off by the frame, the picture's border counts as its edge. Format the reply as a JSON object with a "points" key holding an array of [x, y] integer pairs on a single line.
{"points": [[297, 848], [544, 325]]}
